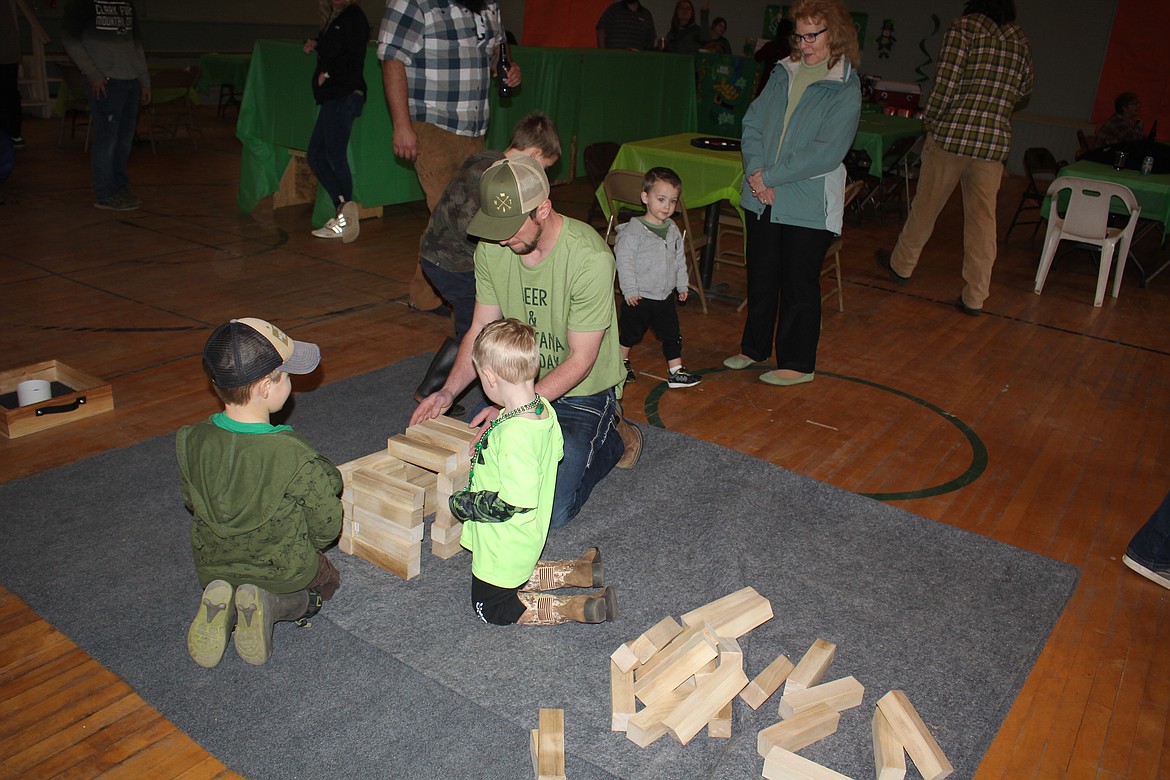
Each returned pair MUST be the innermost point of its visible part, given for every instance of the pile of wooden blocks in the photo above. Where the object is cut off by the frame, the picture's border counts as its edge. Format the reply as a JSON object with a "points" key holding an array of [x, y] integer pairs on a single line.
{"points": [[388, 493], [687, 677]]}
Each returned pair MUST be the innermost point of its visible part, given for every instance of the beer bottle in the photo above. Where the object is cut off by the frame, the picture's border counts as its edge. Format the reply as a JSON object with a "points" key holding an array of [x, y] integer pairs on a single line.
{"points": [[502, 70]]}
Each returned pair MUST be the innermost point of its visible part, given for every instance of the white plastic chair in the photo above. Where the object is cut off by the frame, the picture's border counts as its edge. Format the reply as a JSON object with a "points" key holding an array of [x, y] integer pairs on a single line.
{"points": [[1086, 221]]}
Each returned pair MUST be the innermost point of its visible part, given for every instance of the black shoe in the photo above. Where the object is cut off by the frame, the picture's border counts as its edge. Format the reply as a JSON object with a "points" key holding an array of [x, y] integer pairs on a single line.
{"points": [[683, 378], [630, 375], [883, 260], [1154, 572], [967, 309]]}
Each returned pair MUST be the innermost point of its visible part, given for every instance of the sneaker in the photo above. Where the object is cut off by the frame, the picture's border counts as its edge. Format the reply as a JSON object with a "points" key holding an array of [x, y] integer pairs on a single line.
{"points": [[207, 637], [123, 201], [1161, 577], [350, 224], [18, 142], [331, 229], [682, 378], [630, 375]]}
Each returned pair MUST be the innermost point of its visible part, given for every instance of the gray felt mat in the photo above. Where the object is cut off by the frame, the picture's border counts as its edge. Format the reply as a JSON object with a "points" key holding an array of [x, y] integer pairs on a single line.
{"points": [[399, 679]]}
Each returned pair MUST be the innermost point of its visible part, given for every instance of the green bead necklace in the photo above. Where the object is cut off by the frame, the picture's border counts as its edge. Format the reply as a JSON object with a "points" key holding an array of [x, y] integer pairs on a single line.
{"points": [[535, 405]]}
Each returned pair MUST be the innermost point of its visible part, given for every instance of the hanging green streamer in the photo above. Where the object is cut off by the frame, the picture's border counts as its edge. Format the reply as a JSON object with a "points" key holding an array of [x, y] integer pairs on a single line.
{"points": [[922, 46]]}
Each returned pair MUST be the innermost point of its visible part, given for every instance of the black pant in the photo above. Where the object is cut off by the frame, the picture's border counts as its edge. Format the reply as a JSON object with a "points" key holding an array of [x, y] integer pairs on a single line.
{"points": [[496, 605], [784, 275], [659, 316], [10, 106]]}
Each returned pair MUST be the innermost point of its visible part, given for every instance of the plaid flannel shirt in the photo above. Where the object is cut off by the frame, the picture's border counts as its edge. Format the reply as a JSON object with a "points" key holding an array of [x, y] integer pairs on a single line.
{"points": [[447, 51], [983, 71]]}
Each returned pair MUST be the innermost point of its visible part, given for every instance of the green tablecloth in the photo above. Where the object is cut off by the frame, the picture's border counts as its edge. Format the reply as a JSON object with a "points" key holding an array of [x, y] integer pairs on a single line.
{"points": [[1152, 192], [592, 95], [877, 132], [230, 69]]}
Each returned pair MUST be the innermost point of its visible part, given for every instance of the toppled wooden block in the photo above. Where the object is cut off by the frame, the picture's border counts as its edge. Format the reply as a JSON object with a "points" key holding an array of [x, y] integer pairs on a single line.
{"points": [[839, 694], [811, 668], [915, 737], [656, 638], [767, 682], [710, 696], [550, 751], [719, 727], [889, 757], [624, 658], [781, 764], [815, 723], [621, 695], [680, 660], [645, 727], [733, 615]]}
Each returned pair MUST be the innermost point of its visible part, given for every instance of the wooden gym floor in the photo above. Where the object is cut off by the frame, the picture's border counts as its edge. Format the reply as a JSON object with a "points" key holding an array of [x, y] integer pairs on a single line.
{"points": [[1069, 401]]}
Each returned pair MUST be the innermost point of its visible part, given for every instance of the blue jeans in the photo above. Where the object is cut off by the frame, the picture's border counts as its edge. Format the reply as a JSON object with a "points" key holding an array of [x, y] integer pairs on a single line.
{"points": [[114, 119], [457, 289], [326, 154], [592, 448], [1150, 546]]}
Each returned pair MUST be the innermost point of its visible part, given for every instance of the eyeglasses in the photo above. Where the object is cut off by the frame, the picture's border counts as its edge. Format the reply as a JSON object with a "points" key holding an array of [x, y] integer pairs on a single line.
{"points": [[807, 37]]}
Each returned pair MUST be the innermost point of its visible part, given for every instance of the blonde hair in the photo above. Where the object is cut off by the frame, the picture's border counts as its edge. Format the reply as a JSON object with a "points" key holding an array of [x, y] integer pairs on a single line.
{"points": [[508, 348], [835, 16], [325, 9]]}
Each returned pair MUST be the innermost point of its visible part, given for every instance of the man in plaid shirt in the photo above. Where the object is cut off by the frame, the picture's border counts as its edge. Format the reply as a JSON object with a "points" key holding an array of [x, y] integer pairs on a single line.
{"points": [[984, 70], [437, 58]]}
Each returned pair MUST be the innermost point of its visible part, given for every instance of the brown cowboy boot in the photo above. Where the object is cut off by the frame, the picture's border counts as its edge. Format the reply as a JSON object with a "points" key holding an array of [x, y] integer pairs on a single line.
{"points": [[545, 610], [631, 441], [585, 572]]}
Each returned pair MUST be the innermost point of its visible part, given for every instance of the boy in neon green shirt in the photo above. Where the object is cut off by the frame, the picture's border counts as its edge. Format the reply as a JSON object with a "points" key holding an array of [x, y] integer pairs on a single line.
{"points": [[507, 505]]}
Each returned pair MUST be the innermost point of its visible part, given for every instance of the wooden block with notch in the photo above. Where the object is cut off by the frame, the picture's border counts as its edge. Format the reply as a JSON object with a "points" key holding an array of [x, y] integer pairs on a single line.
{"points": [[550, 757], [841, 694], [911, 731], [781, 764], [812, 667], [800, 731], [733, 615], [76, 395], [767, 682], [889, 757], [621, 697], [430, 456]]}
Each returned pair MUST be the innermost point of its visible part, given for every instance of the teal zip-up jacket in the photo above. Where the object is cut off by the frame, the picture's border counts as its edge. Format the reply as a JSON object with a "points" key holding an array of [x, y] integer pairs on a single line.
{"points": [[264, 502], [806, 171]]}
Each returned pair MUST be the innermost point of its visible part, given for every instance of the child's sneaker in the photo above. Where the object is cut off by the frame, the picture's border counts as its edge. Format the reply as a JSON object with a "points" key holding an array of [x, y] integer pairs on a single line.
{"points": [[630, 375], [682, 378]]}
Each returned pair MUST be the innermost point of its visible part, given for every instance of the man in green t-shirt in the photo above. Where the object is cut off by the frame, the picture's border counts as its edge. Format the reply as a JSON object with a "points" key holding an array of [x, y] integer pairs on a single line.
{"points": [[556, 274]]}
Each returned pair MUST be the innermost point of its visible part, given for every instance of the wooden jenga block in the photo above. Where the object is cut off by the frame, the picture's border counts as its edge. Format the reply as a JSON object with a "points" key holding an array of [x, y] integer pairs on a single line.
{"points": [[550, 756], [387, 488], [621, 696], [682, 662], [377, 529], [444, 534], [817, 722], [445, 550], [733, 615], [347, 494], [534, 752], [812, 667], [441, 435], [729, 650], [839, 694], [912, 732], [421, 453], [664, 654], [781, 764], [389, 509], [452, 482], [372, 459], [645, 726], [657, 637], [710, 696], [624, 658], [767, 682], [403, 563], [345, 543], [889, 757], [458, 427], [427, 480], [719, 727]]}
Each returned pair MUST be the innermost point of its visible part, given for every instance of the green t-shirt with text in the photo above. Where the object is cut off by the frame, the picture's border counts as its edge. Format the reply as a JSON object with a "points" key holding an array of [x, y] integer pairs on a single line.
{"points": [[570, 290]]}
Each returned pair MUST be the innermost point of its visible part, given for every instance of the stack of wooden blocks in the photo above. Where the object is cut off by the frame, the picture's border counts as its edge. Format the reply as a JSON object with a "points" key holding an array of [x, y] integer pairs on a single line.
{"points": [[688, 677], [388, 493]]}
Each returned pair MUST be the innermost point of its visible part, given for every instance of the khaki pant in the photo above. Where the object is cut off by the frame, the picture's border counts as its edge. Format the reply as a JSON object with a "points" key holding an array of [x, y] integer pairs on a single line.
{"points": [[440, 156], [980, 179]]}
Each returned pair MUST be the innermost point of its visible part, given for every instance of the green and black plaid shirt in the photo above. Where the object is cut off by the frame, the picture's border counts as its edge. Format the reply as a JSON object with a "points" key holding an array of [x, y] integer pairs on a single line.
{"points": [[983, 71]]}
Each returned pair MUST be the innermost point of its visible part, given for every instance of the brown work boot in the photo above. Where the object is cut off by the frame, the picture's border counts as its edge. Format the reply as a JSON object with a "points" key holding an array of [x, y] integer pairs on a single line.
{"points": [[585, 572], [546, 610], [631, 442]]}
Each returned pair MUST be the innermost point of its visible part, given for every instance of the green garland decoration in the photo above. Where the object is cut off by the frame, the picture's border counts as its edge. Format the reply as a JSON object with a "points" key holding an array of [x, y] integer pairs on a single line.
{"points": [[922, 46]]}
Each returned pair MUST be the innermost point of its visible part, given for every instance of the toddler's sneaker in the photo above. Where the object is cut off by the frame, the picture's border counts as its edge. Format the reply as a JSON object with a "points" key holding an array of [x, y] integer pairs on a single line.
{"points": [[682, 378], [630, 375]]}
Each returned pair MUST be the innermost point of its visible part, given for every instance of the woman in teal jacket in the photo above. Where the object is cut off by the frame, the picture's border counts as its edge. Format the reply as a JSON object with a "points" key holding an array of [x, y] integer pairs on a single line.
{"points": [[795, 135]]}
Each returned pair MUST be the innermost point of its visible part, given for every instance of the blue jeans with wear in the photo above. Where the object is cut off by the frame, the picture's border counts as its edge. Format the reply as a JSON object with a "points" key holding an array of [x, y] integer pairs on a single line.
{"points": [[329, 143], [592, 448], [114, 119]]}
